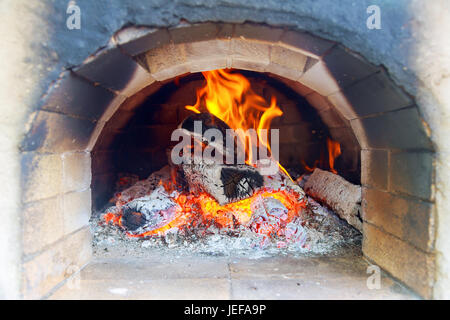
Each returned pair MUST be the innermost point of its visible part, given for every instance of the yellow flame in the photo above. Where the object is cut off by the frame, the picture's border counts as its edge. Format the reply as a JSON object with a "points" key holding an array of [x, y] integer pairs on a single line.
{"points": [[334, 151], [230, 97]]}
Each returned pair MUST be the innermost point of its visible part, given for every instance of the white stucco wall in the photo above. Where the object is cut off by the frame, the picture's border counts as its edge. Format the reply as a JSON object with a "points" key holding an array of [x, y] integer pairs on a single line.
{"points": [[17, 78], [21, 25], [432, 62]]}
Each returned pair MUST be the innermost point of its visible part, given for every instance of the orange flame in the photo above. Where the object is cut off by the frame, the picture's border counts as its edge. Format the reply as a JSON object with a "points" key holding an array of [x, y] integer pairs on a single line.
{"points": [[334, 151], [230, 97]]}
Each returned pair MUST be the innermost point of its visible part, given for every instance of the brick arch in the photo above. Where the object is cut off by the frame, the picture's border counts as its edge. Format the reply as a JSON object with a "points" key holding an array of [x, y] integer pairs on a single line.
{"points": [[353, 97]]}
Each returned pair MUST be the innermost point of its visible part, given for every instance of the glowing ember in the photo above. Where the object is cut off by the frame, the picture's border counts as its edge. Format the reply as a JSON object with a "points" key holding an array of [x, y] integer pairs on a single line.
{"points": [[114, 218], [186, 210]]}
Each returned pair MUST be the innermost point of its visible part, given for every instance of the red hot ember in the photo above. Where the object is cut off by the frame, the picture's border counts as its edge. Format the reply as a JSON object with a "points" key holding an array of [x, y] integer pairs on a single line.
{"points": [[154, 206]]}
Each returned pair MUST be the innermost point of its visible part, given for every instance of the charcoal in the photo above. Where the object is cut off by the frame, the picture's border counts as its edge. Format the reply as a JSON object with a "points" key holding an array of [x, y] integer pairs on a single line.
{"points": [[240, 183], [132, 220], [149, 212]]}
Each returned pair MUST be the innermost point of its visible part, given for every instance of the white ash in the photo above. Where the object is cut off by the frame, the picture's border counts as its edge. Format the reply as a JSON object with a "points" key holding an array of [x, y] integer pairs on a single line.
{"points": [[317, 231], [144, 187], [322, 233]]}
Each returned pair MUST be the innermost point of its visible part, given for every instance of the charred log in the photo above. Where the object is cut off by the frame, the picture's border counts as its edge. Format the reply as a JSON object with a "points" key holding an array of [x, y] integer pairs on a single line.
{"points": [[149, 212], [225, 183], [132, 220], [240, 183], [209, 121], [337, 193]]}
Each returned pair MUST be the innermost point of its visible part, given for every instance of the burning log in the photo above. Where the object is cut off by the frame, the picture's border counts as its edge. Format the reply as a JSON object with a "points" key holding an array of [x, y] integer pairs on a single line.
{"points": [[224, 183], [208, 121], [197, 132], [337, 193]]}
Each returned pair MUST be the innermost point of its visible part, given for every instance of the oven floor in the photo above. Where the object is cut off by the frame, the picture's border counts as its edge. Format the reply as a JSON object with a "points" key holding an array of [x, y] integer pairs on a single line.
{"points": [[211, 277]]}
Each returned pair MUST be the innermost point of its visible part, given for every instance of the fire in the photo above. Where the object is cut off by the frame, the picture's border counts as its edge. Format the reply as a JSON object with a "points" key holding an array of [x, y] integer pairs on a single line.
{"points": [[334, 151], [230, 97]]}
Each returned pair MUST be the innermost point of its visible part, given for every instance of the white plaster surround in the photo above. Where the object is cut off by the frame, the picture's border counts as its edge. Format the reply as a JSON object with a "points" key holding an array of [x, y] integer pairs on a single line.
{"points": [[276, 57]]}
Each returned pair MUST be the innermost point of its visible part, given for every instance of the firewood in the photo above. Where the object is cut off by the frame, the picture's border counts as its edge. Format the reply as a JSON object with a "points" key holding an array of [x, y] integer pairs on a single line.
{"points": [[343, 197], [209, 121], [223, 182]]}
